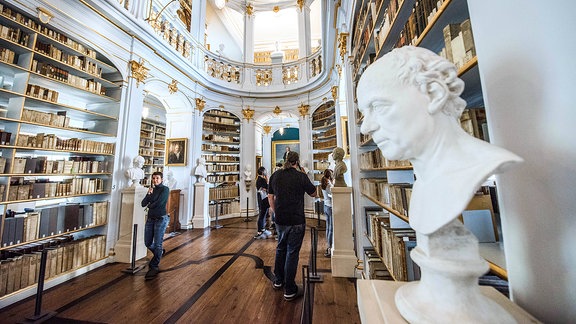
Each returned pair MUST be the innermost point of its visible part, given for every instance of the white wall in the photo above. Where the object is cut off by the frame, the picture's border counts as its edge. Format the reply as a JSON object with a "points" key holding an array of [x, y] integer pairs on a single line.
{"points": [[526, 58], [218, 34]]}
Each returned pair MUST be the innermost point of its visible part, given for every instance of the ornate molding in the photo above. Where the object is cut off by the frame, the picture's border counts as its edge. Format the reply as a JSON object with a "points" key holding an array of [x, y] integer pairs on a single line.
{"points": [[303, 109], [249, 9], [342, 41], [334, 92], [266, 129], [200, 103], [300, 4], [173, 87], [139, 71], [248, 113], [277, 110]]}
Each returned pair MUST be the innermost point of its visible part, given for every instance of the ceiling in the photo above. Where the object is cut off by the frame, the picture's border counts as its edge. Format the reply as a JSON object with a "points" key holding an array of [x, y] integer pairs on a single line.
{"points": [[269, 26]]}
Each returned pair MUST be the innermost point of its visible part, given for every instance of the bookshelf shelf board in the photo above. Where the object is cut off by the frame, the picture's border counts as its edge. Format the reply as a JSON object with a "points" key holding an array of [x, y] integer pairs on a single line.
{"points": [[75, 71], [10, 69], [60, 129], [52, 198], [71, 111], [53, 174], [223, 143], [52, 150], [450, 12], [385, 206], [323, 138], [106, 68], [61, 86], [53, 236]]}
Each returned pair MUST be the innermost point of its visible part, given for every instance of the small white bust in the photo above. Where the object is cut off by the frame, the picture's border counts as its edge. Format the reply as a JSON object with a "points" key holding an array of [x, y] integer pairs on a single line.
{"points": [[135, 173], [248, 172], [169, 180], [200, 170]]}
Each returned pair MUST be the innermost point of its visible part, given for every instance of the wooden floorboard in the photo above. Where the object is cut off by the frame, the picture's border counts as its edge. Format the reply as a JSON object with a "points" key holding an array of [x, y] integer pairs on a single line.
{"points": [[207, 276]]}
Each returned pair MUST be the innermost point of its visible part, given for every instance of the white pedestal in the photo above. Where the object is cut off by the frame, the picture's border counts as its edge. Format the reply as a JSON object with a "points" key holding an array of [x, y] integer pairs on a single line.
{"points": [[131, 213], [201, 218], [277, 57], [376, 303], [344, 258]]}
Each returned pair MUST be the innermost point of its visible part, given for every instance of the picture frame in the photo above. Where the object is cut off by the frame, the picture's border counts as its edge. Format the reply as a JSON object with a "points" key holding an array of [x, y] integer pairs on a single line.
{"points": [[176, 152], [279, 147]]}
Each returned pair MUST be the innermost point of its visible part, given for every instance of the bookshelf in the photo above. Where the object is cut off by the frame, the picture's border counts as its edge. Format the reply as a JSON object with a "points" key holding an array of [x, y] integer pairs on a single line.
{"points": [[379, 26], [221, 150], [152, 148], [323, 137], [59, 111]]}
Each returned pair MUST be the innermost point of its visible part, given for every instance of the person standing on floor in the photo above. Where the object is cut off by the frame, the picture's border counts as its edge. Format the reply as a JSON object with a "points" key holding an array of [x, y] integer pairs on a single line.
{"points": [[326, 184], [286, 197], [263, 204], [156, 223]]}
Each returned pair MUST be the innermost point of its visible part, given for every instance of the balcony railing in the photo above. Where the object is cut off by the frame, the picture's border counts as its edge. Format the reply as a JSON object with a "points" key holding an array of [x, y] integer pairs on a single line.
{"points": [[225, 72]]}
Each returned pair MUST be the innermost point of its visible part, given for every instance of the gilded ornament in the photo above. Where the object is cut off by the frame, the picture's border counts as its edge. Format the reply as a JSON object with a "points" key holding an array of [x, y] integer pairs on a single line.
{"points": [[200, 104], [266, 129], [139, 71], [173, 87], [248, 113]]}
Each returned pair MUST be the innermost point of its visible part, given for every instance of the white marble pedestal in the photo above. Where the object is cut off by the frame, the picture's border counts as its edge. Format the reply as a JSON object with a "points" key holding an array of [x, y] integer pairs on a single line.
{"points": [[201, 217], [131, 213], [376, 303], [344, 258]]}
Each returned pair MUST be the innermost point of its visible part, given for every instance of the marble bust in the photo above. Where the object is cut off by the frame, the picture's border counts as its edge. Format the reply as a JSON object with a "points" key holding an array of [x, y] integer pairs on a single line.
{"points": [[135, 173], [410, 99], [169, 180], [200, 170], [248, 172], [339, 167]]}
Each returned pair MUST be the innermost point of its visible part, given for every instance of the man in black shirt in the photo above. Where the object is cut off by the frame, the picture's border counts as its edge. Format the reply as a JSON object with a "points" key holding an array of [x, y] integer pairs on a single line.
{"points": [[155, 200], [286, 196]]}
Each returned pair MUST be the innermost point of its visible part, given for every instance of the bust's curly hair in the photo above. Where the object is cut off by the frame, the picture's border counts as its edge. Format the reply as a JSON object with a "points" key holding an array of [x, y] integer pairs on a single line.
{"points": [[419, 66]]}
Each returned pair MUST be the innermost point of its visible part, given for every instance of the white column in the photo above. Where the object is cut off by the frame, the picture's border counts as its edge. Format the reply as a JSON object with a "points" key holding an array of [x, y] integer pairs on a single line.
{"points": [[248, 38], [267, 152], [537, 204], [198, 29], [306, 156], [126, 149], [131, 213], [248, 156], [344, 258], [304, 46]]}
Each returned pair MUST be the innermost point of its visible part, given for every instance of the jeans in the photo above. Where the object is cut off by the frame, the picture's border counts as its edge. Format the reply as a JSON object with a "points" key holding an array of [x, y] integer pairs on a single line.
{"points": [[262, 218], [154, 236], [329, 225], [290, 239]]}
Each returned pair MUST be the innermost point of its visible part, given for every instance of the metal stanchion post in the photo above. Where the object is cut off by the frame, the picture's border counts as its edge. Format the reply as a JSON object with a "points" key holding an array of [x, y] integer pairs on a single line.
{"points": [[38, 316], [314, 277], [133, 268], [247, 219], [216, 225]]}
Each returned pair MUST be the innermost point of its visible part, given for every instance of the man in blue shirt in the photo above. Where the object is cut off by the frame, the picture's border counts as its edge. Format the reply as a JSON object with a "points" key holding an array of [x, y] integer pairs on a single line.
{"points": [[286, 196], [155, 200]]}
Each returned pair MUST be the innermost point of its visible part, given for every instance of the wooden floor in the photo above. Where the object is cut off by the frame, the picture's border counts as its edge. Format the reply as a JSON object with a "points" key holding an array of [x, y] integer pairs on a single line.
{"points": [[207, 276]]}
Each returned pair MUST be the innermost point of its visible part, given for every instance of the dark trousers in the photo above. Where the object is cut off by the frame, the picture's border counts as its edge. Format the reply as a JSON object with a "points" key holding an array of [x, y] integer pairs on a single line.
{"points": [[290, 239]]}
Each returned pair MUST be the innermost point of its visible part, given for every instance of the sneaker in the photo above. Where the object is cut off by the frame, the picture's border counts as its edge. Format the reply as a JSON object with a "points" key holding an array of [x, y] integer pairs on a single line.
{"points": [[277, 285], [294, 295], [257, 236], [327, 253], [151, 274], [163, 252]]}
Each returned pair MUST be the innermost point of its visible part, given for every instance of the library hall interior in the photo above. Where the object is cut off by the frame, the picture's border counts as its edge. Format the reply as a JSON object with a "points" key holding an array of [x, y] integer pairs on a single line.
{"points": [[287, 161]]}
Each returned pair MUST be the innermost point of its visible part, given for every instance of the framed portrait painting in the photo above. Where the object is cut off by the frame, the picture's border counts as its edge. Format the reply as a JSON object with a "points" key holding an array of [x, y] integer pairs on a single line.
{"points": [[280, 148], [176, 151]]}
